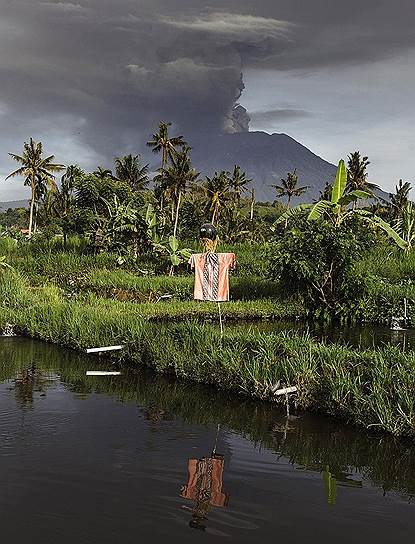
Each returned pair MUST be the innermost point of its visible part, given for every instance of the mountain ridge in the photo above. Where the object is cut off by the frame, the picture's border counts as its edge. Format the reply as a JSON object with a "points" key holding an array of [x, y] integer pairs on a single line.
{"points": [[5, 205], [266, 158]]}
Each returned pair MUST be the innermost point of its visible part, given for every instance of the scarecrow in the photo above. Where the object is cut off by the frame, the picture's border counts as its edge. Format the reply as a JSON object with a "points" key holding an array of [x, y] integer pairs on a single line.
{"points": [[211, 269]]}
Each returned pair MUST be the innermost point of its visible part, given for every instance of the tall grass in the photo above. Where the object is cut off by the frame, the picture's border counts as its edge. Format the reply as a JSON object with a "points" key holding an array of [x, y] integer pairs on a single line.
{"points": [[373, 388], [389, 263]]}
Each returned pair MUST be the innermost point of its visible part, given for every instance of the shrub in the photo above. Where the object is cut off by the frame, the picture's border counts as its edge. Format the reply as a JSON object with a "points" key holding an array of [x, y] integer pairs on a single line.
{"points": [[316, 260]]}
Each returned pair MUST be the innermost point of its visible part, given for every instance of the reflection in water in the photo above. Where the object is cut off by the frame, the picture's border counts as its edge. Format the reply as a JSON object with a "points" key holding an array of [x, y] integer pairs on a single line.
{"points": [[330, 486], [96, 450], [28, 381], [204, 486]]}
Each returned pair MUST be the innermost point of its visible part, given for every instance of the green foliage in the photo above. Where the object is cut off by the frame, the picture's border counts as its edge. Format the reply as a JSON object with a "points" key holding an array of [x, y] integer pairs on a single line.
{"points": [[335, 209], [405, 225], [14, 217], [172, 251], [400, 198], [392, 233], [316, 261], [92, 192], [8, 245]]}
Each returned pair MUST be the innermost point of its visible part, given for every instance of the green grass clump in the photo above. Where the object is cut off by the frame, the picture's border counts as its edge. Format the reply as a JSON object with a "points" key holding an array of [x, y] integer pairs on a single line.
{"points": [[389, 263]]}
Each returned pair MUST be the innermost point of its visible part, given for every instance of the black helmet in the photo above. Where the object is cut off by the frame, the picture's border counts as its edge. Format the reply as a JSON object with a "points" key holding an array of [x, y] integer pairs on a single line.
{"points": [[208, 231]]}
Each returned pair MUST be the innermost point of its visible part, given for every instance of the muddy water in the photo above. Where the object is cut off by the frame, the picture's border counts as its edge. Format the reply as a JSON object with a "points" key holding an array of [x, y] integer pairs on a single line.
{"points": [[139, 458]]}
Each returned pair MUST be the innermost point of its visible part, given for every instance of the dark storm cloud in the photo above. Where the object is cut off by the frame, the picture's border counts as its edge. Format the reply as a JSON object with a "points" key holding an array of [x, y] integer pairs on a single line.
{"points": [[112, 70], [103, 73]]}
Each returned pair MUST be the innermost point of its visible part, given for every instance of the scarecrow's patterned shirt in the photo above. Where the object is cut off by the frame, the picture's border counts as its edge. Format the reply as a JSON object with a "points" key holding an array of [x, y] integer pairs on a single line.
{"points": [[212, 275]]}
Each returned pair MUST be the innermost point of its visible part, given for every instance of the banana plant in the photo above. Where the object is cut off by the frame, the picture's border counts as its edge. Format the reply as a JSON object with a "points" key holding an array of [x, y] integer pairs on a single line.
{"points": [[152, 224], [122, 219], [337, 212], [334, 209], [392, 233], [173, 251], [405, 225]]}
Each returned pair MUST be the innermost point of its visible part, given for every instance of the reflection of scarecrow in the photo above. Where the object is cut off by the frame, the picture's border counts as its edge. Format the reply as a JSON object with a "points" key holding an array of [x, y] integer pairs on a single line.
{"points": [[204, 487]]}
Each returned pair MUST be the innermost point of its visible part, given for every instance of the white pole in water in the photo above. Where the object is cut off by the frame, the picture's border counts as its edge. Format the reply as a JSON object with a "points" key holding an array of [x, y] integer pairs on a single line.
{"points": [[107, 348], [405, 310]]}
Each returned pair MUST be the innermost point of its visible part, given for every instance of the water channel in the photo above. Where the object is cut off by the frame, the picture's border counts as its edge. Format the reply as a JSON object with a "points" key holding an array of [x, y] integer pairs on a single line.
{"points": [[144, 458]]}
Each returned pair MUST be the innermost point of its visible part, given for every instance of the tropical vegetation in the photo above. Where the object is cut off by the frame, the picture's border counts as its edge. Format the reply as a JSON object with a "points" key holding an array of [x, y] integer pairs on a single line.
{"points": [[105, 256]]}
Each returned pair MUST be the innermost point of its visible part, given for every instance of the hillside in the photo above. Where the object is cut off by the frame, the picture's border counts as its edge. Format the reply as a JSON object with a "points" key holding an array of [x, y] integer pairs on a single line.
{"points": [[266, 158], [4, 206]]}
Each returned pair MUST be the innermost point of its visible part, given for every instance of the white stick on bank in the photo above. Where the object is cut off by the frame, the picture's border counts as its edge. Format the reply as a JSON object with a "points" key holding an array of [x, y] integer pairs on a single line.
{"points": [[107, 348]]}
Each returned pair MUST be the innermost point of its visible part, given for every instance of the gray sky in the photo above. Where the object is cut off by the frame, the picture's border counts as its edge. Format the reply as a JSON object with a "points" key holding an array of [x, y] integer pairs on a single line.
{"points": [[92, 78]]}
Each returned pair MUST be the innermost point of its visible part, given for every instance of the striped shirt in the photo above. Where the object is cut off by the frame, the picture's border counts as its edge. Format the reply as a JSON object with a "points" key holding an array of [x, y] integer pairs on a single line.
{"points": [[212, 275]]}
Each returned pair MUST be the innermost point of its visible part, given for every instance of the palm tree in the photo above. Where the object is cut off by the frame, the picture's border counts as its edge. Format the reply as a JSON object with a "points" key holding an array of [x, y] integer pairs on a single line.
{"points": [[128, 168], [103, 173], [357, 174], [238, 182], [174, 180], [161, 141], [289, 187], [37, 172], [400, 199], [72, 173], [217, 193]]}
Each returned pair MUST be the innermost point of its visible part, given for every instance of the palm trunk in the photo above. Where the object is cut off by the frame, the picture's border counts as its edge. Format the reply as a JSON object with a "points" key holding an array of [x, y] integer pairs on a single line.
{"points": [[35, 210], [215, 210], [32, 205], [288, 207], [251, 214], [162, 205], [177, 214]]}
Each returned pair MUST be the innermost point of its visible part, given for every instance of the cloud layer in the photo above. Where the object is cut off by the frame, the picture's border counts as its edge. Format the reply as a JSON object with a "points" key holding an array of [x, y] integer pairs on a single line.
{"points": [[92, 78]]}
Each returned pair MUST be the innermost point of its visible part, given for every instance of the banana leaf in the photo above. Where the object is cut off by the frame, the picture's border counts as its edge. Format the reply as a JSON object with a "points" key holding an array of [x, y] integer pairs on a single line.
{"points": [[339, 184], [292, 212], [318, 209], [386, 227], [353, 196]]}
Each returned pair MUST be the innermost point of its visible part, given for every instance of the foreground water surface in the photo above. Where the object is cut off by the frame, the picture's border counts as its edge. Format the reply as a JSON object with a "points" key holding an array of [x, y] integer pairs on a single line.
{"points": [[140, 458]]}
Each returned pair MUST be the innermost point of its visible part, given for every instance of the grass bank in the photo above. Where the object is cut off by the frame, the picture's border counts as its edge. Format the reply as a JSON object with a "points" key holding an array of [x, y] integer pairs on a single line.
{"points": [[372, 388]]}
